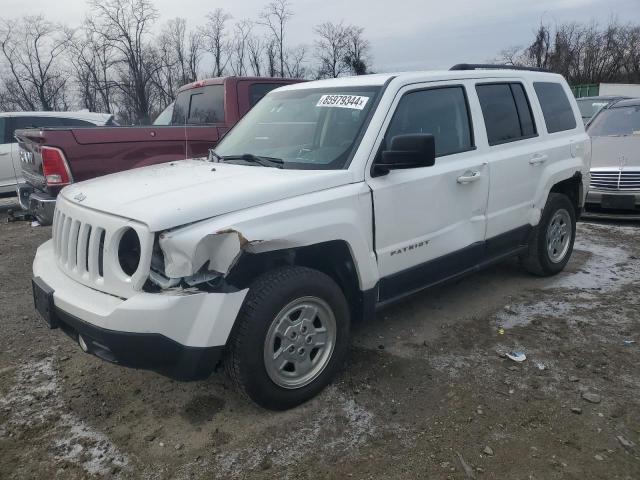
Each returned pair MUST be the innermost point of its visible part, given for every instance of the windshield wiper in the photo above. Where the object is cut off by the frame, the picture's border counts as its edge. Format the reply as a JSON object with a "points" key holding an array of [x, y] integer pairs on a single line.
{"points": [[251, 158]]}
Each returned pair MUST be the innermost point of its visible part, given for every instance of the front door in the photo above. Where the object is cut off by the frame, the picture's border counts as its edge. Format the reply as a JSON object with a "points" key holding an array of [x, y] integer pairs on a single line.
{"points": [[430, 221]]}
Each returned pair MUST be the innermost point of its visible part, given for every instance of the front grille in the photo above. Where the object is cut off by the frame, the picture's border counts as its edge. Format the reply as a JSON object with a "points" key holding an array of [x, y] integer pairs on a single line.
{"points": [[79, 246], [624, 180], [86, 245]]}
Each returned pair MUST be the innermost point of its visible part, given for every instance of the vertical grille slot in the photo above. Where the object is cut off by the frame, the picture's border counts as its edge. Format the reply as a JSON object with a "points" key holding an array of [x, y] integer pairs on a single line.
{"points": [[72, 246], [64, 240], [96, 240], [83, 248]]}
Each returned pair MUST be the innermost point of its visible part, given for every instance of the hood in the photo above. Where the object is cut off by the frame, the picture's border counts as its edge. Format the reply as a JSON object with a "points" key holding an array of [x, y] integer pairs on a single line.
{"points": [[171, 194], [615, 152]]}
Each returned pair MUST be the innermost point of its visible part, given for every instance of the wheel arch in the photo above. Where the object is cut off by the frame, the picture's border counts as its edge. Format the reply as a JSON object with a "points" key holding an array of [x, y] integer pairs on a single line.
{"points": [[333, 258]]}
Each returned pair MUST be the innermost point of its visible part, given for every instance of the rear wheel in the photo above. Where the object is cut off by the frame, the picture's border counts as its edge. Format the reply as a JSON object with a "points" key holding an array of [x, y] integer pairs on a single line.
{"points": [[551, 243], [290, 338]]}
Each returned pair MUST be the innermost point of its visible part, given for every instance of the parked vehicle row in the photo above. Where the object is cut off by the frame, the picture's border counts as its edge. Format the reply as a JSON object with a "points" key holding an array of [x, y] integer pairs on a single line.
{"points": [[11, 157], [615, 174], [327, 201], [201, 114]]}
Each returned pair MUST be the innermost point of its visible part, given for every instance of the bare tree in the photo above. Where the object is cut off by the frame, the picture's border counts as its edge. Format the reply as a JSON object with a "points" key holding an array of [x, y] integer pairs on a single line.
{"points": [[331, 49], [34, 50], [255, 46], [271, 52], [357, 56], [583, 53], [275, 16], [215, 34], [295, 62], [341, 49], [93, 62], [240, 43], [179, 55], [125, 25]]}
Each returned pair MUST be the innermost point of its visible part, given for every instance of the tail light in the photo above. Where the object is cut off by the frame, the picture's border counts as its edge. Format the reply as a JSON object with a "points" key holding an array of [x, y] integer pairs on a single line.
{"points": [[55, 168]]}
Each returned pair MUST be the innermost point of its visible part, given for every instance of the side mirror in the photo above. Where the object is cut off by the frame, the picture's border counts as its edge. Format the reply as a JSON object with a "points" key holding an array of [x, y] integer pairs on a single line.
{"points": [[412, 150]]}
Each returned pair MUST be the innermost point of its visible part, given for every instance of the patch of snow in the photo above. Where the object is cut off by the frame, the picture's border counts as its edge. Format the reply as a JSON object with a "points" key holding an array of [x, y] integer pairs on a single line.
{"points": [[34, 401]]}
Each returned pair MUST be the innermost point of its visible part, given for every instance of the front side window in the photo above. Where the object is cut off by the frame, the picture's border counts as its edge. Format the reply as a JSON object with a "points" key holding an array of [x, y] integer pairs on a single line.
{"points": [[506, 111], [441, 112], [3, 126], [557, 111], [304, 128], [616, 122], [199, 106]]}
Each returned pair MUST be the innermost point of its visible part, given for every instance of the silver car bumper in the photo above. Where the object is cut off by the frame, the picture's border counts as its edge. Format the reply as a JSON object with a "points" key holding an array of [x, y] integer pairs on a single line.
{"points": [[613, 204]]}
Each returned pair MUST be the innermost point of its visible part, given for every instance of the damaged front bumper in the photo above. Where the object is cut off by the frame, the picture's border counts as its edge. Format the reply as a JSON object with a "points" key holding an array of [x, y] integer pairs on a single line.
{"points": [[172, 326]]}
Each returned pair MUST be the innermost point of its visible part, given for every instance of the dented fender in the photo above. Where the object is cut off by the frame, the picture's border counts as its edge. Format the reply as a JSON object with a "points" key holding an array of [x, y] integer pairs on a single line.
{"points": [[221, 249]]}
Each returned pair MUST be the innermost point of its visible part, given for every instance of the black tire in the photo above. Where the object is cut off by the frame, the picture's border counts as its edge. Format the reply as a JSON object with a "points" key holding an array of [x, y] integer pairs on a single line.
{"points": [[538, 260], [267, 296]]}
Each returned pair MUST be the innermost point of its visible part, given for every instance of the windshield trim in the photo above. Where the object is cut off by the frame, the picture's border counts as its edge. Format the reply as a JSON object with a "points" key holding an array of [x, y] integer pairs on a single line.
{"points": [[379, 89]]}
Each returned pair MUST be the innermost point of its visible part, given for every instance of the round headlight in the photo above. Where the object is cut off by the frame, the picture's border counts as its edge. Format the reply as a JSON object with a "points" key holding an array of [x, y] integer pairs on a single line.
{"points": [[129, 251]]}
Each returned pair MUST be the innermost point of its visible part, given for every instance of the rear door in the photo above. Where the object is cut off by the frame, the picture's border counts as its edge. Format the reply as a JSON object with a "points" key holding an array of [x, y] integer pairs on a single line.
{"points": [[430, 221], [515, 159]]}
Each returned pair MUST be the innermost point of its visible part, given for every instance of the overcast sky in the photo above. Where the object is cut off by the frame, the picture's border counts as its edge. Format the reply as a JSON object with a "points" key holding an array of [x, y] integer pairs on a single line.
{"points": [[404, 34]]}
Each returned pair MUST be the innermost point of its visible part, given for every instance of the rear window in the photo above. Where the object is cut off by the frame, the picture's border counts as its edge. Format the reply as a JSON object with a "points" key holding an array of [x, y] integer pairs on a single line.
{"points": [[259, 90], [557, 111], [506, 111], [199, 106]]}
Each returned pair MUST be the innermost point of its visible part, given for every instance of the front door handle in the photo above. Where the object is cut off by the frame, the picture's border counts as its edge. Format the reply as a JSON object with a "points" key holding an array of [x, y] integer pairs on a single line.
{"points": [[538, 159], [468, 177], [4, 154]]}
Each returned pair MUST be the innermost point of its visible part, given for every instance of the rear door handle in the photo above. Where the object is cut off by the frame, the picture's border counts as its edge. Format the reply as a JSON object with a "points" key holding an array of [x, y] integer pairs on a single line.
{"points": [[4, 154], [469, 177], [538, 159]]}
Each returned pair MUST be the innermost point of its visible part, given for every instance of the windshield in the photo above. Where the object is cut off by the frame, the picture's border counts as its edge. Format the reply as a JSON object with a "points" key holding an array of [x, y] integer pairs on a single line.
{"points": [[165, 117], [306, 129], [589, 107], [616, 122]]}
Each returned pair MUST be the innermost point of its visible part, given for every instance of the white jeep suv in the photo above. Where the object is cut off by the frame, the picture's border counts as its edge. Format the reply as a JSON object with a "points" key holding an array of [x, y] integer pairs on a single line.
{"points": [[328, 200]]}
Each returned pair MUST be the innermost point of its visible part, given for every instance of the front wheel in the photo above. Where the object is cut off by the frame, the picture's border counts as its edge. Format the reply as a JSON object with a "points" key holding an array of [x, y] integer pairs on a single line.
{"points": [[551, 243], [290, 338]]}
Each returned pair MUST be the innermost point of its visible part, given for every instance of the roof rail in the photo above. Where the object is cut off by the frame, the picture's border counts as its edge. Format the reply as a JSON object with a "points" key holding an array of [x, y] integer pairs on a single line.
{"points": [[490, 66]]}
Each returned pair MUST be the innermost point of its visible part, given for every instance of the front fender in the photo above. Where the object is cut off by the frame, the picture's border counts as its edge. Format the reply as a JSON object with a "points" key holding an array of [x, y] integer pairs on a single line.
{"points": [[342, 213]]}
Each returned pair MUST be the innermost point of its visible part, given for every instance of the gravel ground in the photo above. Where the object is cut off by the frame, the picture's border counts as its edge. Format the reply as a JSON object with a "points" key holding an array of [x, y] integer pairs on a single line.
{"points": [[427, 392]]}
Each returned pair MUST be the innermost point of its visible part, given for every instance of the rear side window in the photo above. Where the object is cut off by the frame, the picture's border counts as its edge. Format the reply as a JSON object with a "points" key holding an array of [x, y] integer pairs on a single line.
{"points": [[442, 112], [3, 126], [18, 123], [74, 122], [199, 106], [506, 111], [259, 90], [557, 111]]}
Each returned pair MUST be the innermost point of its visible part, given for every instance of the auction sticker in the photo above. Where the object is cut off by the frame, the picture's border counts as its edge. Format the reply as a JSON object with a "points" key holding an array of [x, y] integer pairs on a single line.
{"points": [[355, 102]]}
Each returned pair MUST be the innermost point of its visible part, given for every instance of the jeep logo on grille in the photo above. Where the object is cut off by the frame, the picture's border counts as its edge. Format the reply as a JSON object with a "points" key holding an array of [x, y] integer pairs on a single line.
{"points": [[79, 197], [26, 156]]}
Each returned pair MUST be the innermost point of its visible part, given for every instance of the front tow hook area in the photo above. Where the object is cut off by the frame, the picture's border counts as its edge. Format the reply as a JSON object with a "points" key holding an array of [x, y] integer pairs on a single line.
{"points": [[83, 344]]}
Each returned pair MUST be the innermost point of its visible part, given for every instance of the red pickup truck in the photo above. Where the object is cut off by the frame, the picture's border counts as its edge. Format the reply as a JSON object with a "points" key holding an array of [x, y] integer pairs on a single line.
{"points": [[203, 111]]}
